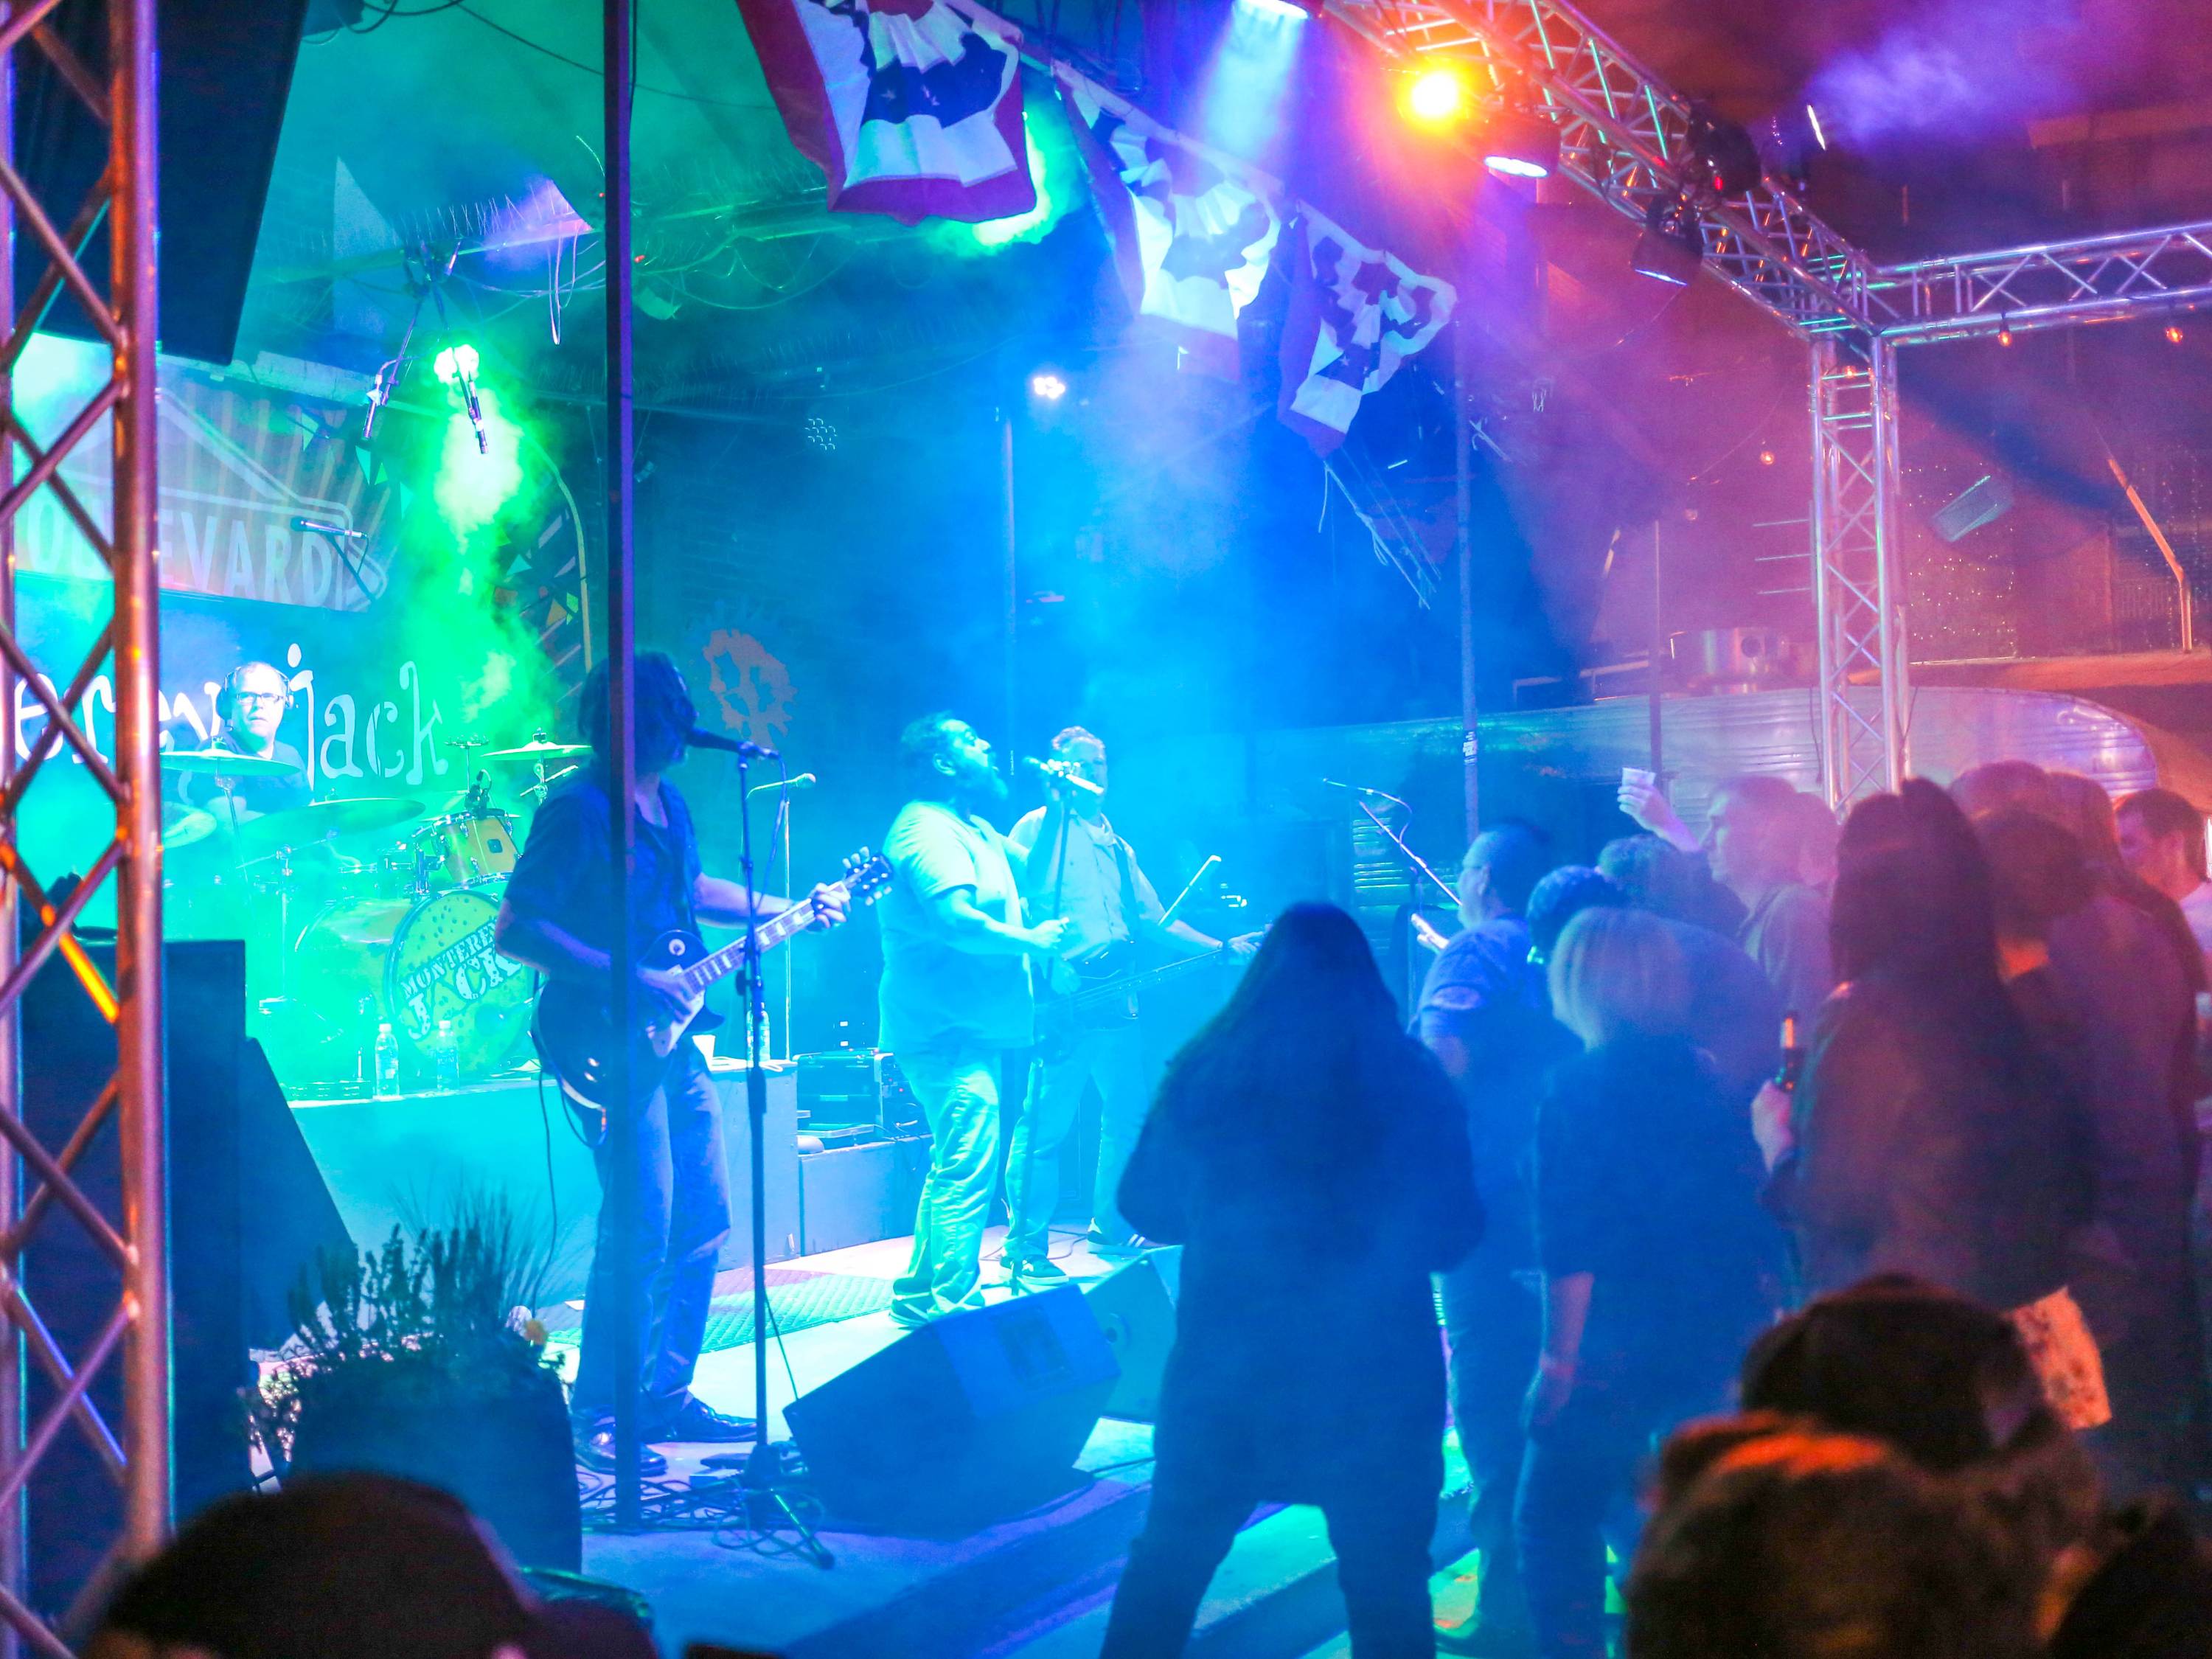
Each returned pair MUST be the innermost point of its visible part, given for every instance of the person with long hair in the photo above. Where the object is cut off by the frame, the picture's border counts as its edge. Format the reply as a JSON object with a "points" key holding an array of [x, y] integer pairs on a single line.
{"points": [[1654, 1252], [557, 916], [1931, 1134], [2124, 968], [1312, 1159]]}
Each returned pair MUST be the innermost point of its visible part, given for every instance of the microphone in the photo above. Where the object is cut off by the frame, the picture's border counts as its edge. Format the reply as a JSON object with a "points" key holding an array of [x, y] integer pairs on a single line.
{"points": [[1362, 789], [1059, 772], [320, 528], [803, 780], [698, 739]]}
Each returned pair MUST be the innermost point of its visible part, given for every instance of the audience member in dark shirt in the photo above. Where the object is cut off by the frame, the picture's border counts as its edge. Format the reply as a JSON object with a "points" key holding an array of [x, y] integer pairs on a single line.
{"points": [[1653, 1248], [1771, 1537], [1486, 1015], [1312, 1160], [1948, 1383], [1735, 1013], [2126, 967], [1663, 879], [1929, 1135]]}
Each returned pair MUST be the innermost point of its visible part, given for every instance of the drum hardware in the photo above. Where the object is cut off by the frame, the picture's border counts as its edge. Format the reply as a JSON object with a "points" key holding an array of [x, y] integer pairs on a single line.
{"points": [[321, 821], [182, 825], [540, 789]]}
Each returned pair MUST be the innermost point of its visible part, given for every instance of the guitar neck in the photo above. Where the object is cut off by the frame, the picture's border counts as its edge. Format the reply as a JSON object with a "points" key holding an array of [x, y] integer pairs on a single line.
{"points": [[731, 957], [1114, 990]]}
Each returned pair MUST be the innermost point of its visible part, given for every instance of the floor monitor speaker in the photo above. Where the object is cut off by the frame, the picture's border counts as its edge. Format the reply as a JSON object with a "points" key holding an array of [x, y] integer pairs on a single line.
{"points": [[977, 1415]]}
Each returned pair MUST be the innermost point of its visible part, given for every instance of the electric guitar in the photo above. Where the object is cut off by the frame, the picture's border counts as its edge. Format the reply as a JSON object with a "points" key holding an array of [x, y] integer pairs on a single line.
{"points": [[1099, 1002], [574, 1030]]}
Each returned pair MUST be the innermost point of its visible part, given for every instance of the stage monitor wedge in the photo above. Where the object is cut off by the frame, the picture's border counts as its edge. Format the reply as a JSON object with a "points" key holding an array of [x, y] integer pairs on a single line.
{"points": [[226, 71], [978, 1414]]}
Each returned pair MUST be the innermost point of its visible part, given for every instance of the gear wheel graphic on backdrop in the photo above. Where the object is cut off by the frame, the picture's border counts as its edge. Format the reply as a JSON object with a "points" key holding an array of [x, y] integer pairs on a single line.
{"points": [[750, 684]]}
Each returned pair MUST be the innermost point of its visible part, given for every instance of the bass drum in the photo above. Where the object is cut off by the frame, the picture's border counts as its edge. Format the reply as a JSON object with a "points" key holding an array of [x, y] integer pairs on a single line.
{"points": [[421, 962], [443, 967]]}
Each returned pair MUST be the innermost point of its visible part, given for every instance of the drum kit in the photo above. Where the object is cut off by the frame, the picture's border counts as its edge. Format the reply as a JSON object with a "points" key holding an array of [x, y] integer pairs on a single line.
{"points": [[351, 926]]}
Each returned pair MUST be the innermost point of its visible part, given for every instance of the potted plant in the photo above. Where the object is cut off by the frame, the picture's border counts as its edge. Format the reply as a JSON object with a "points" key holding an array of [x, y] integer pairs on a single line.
{"points": [[421, 1360]]}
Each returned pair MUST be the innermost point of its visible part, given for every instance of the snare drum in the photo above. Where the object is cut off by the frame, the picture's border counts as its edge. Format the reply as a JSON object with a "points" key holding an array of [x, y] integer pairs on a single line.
{"points": [[466, 847]]}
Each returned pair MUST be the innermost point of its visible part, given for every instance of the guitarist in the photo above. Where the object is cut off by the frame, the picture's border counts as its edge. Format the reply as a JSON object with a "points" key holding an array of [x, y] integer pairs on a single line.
{"points": [[556, 919], [1079, 868]]}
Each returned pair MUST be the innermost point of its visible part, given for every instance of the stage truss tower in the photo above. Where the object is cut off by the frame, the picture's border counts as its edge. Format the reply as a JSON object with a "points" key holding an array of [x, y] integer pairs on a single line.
{"points": [[1626, 136], [121, 860]]}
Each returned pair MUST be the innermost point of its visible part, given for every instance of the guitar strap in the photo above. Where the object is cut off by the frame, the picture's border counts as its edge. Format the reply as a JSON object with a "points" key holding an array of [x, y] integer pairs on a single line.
{"points": [[1125, 864]]}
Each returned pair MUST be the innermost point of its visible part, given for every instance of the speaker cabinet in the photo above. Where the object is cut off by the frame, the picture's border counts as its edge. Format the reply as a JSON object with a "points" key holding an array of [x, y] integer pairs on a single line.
{"points": [[976, 1415], [1134, 1309], [246, 1211]]}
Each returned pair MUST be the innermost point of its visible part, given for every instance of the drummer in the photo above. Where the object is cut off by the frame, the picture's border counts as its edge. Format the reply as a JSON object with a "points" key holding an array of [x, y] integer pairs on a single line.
{"points": [[250, 710]]}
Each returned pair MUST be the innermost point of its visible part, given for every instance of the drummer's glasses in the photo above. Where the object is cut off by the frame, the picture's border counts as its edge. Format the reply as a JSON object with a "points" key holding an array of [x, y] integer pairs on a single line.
{"points": [[279, 698]]}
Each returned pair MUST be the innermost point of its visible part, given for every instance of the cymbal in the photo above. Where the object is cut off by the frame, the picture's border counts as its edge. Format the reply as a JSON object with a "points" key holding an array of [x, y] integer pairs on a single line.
{"points": [[540, 747], [182, 825], [322, 820], [228, 762]]}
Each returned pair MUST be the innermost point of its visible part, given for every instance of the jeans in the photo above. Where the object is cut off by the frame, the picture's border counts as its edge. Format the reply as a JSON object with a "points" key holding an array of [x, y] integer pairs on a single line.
{"points": [[1380, 1532], [1574, 1470], [1112, 1057], [682, 1199], [1493, 1327], [957, 1087]]}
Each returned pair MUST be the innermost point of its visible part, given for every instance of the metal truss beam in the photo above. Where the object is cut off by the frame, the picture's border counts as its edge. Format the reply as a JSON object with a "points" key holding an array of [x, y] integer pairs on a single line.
{"points": [[1625, 135], [2047, 285], [1857, 586], [122, 860]]}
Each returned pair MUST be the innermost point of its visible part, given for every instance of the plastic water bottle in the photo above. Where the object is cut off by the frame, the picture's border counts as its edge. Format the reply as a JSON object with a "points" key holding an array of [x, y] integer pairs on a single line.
{"points": [[446, 1057], [388, 1061]]}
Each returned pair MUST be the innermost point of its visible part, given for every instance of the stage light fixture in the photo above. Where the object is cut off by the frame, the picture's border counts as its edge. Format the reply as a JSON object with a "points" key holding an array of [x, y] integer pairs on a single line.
{"points": [[1521, 145], [1723, 152], [2174, 332], [1290, 10], [1437, 94], [1048, 386], [456, 365], [1673, 245]]}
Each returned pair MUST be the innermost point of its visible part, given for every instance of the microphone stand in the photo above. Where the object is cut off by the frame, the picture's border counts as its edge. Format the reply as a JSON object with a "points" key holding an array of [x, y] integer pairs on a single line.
{"points": [[1407, 853], [766, 1509]]}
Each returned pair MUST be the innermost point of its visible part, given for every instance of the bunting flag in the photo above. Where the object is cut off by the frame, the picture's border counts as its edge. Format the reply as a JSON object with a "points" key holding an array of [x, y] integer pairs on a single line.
{"points": [[1191, 241], [911, 108], [1355, 315]]}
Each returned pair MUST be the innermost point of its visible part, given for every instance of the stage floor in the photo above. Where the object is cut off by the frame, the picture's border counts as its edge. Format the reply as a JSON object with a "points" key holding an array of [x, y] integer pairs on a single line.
{"points": [[1036, 1586]]}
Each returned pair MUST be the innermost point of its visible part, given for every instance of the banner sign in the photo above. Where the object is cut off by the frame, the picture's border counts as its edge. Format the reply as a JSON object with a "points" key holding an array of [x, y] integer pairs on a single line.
{"points": [[1191, 239], [1355, 315], [283, 538], [911, 108]]}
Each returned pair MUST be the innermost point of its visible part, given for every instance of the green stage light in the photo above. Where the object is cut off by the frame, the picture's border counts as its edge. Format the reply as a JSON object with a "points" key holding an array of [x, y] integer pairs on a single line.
{"points": [[455, 364], [1052, 166]]}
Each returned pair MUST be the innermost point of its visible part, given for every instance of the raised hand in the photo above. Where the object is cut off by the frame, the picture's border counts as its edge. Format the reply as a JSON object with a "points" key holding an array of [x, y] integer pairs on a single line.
{"points": [[1642, 800]]}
